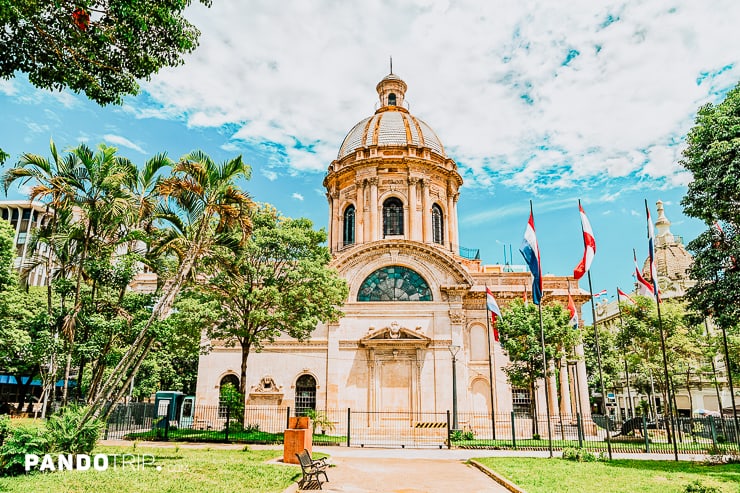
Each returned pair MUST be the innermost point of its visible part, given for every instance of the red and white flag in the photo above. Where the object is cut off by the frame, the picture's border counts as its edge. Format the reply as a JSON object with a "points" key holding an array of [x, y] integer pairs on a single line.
{"points": [[644, 288], [651, 253], [573, 312], [600, 293], [622, 294], [589, 245], [492, 307]]}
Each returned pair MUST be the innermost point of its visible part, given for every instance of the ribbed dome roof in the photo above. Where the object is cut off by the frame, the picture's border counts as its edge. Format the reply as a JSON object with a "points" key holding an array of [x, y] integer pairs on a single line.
{"points": [[391, 125], [390, 128]]}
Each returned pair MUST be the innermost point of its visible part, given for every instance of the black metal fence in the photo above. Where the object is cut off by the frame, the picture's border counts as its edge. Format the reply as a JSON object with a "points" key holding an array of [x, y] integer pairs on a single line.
{"points": [[347, 427]]}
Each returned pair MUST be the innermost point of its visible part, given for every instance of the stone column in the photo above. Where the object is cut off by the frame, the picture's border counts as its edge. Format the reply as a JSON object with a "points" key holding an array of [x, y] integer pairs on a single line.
{"points": [[333, 377], [455, 231], [330, 225], [335, 226], [582, 382], [450, 222], [413, 218], [360, 212], [374, 232], [565, 404], [552, 388], [426, 212]]}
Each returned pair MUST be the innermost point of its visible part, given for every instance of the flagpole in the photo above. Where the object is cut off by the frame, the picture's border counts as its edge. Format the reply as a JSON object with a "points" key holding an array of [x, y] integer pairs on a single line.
{"points": [[624, 356], [490, 368], [669, 407], [544, 356], [598, 351]]}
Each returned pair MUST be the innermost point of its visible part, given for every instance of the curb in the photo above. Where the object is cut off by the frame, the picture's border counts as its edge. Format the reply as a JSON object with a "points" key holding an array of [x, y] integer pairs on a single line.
{"points": [[497, 477]]}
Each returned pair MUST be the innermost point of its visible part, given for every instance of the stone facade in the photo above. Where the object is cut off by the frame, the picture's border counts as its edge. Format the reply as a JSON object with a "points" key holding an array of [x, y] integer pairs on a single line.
{"points": [[392, 197]]}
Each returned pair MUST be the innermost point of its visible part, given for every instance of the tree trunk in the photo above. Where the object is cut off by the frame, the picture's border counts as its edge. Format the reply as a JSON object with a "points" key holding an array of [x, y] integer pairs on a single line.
{"points": [[243, 375], [141, 344]]}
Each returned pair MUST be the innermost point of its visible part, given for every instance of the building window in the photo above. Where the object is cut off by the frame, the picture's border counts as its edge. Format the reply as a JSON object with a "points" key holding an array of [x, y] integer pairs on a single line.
{"points": [[349, 226], [392, 99], [392, 217], [521, 402], [305, 394], [394, 283], [438, 232]]}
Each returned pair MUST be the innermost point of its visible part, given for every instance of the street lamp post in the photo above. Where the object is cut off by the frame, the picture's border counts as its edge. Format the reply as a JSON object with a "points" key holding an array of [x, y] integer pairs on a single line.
{"points": [[454, 350]]}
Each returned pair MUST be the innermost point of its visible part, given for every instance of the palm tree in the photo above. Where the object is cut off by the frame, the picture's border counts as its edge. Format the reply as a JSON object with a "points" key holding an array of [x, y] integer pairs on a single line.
{"points": [[201, 207]]}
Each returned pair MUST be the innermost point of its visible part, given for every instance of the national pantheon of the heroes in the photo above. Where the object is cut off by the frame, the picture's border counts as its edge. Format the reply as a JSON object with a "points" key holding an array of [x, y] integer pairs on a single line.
{"points": [[414, 300]]}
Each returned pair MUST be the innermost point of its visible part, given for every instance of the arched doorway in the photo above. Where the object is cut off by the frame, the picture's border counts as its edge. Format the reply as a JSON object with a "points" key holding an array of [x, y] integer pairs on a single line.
{"points": [[224, 397], [305, 394]]}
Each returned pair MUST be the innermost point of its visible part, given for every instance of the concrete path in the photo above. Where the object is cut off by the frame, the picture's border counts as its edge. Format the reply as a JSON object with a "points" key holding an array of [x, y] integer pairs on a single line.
{"points": [[410, 475]]}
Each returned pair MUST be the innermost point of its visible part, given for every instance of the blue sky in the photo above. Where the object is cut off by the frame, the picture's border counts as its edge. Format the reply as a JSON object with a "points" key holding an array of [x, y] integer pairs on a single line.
{"points": [[548, 101]]}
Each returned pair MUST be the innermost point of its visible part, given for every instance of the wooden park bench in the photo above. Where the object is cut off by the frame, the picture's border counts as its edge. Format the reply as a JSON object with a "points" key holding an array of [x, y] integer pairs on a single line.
{"points": [[311, 469]]}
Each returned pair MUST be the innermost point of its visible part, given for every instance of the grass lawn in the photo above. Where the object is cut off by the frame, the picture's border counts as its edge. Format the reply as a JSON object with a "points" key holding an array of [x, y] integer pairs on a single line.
{"points": [[183, 470], [618, 476]]}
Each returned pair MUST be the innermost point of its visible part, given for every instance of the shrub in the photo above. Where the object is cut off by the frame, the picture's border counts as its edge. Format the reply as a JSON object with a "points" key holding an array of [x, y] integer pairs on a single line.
{"points": [[234, 426], [67, 434], [19, 442], [536, 436], [699, 487], [4, 428], [252, 428], [578, 455]]}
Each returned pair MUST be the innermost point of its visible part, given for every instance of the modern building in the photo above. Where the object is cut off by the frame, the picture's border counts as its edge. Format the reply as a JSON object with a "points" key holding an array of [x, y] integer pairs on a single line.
{"points": [[25, 216], [416, 298]]}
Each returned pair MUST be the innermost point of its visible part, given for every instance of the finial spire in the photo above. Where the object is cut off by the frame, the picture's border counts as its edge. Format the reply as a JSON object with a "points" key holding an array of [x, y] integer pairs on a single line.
{"points": [[391, 63]]}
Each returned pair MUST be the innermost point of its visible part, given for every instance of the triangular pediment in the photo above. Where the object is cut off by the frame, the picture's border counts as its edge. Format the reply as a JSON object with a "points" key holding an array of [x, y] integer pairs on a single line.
{"points": [[394, 334]]}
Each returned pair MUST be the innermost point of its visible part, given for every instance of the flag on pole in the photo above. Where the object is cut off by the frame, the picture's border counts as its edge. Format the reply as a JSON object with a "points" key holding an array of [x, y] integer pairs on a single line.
{"points": [[644, 288], [573, 312], [651, 253], [622, 294], [589, 245], [492, 307], [600, 293], [531, 253]]}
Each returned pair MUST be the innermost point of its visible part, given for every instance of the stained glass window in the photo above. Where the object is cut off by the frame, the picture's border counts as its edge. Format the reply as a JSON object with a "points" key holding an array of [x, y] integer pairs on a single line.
{"points": [[349, 226], [394, 283], [392, 217]]}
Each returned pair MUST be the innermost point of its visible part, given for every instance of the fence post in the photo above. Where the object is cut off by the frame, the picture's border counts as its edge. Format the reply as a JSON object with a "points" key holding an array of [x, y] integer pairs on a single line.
{"points": [[228, 421], [449, 432], [714, 431], [645, 434], [579, 429], [349, 424], [167, 423], [287, 418], [513, 430]]}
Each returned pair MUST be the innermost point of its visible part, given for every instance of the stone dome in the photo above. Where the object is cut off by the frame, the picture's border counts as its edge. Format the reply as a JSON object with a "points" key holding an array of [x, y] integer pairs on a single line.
{"points": [[391, 125]]}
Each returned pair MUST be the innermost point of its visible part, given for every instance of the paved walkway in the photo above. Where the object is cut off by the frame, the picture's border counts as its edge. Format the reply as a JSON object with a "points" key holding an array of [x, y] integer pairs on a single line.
{"points": [[410, 475]]}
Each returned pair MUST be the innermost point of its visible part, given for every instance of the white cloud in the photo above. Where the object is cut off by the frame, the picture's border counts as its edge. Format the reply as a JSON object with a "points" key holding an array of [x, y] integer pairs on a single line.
{"points": [[490, 79], [8, 88], [270, 175], [297, 196], [122, 142]]}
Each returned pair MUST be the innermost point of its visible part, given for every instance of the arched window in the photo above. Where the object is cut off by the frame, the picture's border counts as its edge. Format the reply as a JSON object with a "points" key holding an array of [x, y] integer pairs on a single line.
{"points": [[392, 99], [305, 394], [438, 231], [394, 283], [392, 217], [348, 235]]}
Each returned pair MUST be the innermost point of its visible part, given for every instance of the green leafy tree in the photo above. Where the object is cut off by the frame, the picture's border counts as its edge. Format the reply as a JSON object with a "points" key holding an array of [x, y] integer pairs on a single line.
{"points": [[519, 331], [201, 208], [712, 155], [277, 283], [97, 47], [7, 256]]}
